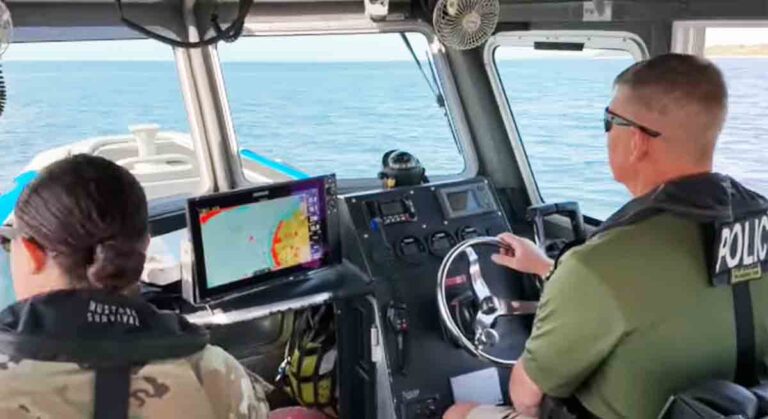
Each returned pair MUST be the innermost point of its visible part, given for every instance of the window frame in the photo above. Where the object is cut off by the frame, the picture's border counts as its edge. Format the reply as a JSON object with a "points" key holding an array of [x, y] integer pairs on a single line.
{"points": [[607, 40], [690, 36], [456, 117]]}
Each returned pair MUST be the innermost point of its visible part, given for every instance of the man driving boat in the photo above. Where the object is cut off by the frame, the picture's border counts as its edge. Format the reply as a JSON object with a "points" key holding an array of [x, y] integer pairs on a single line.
{"points": [[635, 314]]}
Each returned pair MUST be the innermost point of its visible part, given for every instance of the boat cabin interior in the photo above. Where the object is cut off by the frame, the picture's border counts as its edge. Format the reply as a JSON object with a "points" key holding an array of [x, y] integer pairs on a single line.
{"points": [[265, 208]]}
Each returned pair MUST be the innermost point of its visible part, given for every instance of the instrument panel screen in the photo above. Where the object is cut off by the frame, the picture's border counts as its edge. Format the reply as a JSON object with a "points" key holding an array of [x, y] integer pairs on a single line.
{"points": [[246, 237], [463, 201], [392, 208]]}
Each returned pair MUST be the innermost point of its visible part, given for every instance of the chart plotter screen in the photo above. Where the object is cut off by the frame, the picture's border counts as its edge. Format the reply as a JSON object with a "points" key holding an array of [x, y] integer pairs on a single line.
{"points": [[247, 237]]}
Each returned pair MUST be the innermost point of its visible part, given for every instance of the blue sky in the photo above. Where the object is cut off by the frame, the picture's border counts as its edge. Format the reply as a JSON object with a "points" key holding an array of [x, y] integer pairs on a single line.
{"points": [[379, 47]]}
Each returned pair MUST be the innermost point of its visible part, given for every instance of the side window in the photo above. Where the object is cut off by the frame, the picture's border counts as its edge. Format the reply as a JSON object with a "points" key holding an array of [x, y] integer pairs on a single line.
{"points": [[117, 99], [96, 97], [742, 55], [557, 99], [335, 103]]}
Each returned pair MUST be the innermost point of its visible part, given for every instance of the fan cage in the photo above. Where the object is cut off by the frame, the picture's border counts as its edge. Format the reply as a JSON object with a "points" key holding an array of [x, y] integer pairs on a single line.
{"points": [[460, 29]]}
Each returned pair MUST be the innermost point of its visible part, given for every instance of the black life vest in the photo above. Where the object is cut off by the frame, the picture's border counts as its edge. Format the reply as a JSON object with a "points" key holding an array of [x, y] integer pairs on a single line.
{"points": [[102, 331]]}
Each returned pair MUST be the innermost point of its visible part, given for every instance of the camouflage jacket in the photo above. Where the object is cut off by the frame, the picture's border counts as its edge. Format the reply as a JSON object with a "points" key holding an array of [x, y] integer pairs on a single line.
{"points": [[51, 345]]}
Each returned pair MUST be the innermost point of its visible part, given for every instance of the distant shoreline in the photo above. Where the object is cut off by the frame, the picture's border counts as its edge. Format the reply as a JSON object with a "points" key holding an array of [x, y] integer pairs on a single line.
{"points": [[730, 51], [749, 57]]}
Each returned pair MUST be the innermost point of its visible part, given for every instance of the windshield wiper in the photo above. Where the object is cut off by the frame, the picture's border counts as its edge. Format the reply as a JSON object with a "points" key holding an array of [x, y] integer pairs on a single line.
{"points": [[433, 85]]}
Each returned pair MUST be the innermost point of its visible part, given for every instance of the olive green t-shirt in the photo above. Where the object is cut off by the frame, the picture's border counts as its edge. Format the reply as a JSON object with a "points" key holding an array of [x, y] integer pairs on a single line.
{"points": [[630, 318]]}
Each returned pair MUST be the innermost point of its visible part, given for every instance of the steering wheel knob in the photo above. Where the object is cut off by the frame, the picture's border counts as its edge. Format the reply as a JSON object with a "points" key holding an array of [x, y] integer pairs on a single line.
{"points": [[486, 338], [488, 306]]}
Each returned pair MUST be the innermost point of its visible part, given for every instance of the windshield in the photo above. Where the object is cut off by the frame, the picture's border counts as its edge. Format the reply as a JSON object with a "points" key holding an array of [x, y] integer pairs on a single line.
{"points": [[335, 104], [557, 99], [560, 123]]}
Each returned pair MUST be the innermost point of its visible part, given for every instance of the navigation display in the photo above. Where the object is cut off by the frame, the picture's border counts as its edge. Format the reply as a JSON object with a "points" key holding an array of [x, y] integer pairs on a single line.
{"points": [[466, 200], [463, 201], [247, 237], [249, 240]]}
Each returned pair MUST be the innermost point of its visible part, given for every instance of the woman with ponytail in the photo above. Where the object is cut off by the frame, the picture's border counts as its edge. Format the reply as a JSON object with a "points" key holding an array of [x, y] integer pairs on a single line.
{"points": [[80, 342]]}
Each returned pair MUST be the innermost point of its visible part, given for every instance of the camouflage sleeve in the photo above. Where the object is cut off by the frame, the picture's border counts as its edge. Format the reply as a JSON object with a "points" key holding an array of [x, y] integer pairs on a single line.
{"points": [[229, 388]]}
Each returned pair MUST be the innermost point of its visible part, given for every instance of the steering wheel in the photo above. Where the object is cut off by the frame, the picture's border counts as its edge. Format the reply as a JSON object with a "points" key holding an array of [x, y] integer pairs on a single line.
{"points": [[490, 308]]}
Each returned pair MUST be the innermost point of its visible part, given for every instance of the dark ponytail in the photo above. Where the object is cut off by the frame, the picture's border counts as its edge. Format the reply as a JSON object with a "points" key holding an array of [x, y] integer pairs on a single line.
{"points": [[90, 215], [115, 265]]}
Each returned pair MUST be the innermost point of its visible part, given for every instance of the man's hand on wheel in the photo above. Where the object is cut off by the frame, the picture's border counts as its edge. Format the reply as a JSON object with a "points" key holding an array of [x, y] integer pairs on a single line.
{"points": [[523, 256]]}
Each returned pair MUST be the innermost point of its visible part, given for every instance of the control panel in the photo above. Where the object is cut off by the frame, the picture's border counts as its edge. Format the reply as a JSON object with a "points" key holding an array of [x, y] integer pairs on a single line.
{"points": [[402, 236], [400, 210], [425, 221]]}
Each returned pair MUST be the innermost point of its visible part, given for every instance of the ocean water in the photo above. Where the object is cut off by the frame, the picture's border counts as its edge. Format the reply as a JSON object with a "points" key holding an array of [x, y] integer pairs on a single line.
{"points": [[340, 117]]}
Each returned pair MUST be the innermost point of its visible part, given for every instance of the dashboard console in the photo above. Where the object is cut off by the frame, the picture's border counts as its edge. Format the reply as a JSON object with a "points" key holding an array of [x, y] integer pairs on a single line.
{"points": [[374, 256], [399, 238]]}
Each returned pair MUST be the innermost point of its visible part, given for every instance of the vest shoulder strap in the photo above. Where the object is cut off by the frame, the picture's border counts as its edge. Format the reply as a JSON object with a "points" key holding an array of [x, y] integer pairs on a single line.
{"points": [[112, 392], [746, 356]]}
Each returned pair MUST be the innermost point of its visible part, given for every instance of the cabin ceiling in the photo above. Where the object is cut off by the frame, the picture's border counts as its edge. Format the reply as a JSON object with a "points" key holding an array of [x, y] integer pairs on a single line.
{"points": [[98, 19]]}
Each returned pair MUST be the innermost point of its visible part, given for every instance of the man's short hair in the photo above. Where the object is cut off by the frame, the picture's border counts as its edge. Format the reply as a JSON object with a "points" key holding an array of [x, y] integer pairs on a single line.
{"points": [[670, 80]]}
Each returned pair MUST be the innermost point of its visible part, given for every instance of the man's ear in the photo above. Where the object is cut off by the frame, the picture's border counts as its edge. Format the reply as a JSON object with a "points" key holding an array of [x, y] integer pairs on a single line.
{"points": [[639, 146], [36, 255]]}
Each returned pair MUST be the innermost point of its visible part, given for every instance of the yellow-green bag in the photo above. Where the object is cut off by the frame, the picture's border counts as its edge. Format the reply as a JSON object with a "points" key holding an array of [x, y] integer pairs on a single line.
{"points": [[308, 373]]}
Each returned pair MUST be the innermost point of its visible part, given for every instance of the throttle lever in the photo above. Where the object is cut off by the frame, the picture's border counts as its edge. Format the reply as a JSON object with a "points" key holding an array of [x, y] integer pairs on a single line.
{"points": [[570, 209], [398, 322]]}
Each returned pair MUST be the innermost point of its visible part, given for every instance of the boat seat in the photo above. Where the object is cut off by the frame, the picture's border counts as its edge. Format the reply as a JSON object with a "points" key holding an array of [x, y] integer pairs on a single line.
{"points": [[171, 188]]}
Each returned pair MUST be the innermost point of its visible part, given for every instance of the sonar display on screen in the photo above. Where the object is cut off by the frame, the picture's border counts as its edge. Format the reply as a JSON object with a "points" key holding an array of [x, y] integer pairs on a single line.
{"points": [[252, 239]]}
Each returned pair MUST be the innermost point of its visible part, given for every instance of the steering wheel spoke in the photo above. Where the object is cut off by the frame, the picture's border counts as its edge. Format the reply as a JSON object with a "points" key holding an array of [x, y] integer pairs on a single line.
{"points": [[480, 288], [516, 307], [490, 310]]}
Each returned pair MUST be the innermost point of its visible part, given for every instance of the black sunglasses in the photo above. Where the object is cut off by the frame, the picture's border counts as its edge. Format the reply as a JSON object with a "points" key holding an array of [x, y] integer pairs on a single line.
{"points": [[7, 234], [611, 118]]}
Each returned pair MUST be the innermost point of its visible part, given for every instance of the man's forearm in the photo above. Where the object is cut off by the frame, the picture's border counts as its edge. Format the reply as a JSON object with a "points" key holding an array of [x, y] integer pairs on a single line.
{"points": [[525, 394]]}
